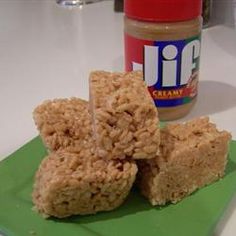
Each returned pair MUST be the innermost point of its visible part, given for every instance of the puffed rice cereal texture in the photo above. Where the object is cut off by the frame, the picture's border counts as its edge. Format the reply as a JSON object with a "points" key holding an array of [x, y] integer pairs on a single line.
{"points": [[125, 119], [192, 155], [80, 183], [63, 123]]}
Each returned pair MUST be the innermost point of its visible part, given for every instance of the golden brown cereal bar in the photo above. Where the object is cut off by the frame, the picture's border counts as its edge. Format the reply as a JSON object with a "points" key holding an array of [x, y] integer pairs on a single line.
{"points": [[80, 183], [63, 123], [124, 116], [192, 155]]}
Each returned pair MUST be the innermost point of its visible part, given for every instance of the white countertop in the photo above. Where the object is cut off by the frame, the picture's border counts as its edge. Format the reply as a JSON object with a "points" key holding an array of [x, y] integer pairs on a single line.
{"points": [[47, 51]]}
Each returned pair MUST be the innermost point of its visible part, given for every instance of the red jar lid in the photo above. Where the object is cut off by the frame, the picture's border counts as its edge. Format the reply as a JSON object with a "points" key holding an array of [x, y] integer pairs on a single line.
{"points": [[163, 10]]}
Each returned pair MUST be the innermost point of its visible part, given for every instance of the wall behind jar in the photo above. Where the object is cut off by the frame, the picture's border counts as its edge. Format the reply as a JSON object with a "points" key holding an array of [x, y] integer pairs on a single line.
{"points": [[224, 12]]}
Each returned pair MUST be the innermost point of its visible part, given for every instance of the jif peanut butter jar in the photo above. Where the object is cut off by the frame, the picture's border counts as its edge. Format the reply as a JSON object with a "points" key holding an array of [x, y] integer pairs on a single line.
{"points": [[163, 39]]}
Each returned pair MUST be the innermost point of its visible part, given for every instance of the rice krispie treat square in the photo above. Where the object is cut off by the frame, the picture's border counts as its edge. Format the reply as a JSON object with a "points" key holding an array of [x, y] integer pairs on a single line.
{"points": [[63, 123], [192, 155], [81, 183], [125, 119]]}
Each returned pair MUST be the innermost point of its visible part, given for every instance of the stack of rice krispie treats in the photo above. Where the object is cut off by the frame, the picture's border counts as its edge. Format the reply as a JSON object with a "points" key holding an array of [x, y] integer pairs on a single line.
{"points": [[96, 149], [90, 166]]}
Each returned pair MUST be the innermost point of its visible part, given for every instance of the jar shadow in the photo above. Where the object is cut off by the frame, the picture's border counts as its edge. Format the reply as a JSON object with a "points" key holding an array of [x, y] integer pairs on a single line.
{"points": [[221, 34], [213, 97]]}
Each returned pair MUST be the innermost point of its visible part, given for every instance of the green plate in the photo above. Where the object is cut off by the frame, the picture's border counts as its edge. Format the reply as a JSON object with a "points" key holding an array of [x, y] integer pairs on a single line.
{"points": [[197, 214]]}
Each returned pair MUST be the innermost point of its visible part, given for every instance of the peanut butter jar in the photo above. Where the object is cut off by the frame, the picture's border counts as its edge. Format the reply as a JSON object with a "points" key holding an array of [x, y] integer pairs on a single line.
{"points": [[163, 38]]}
